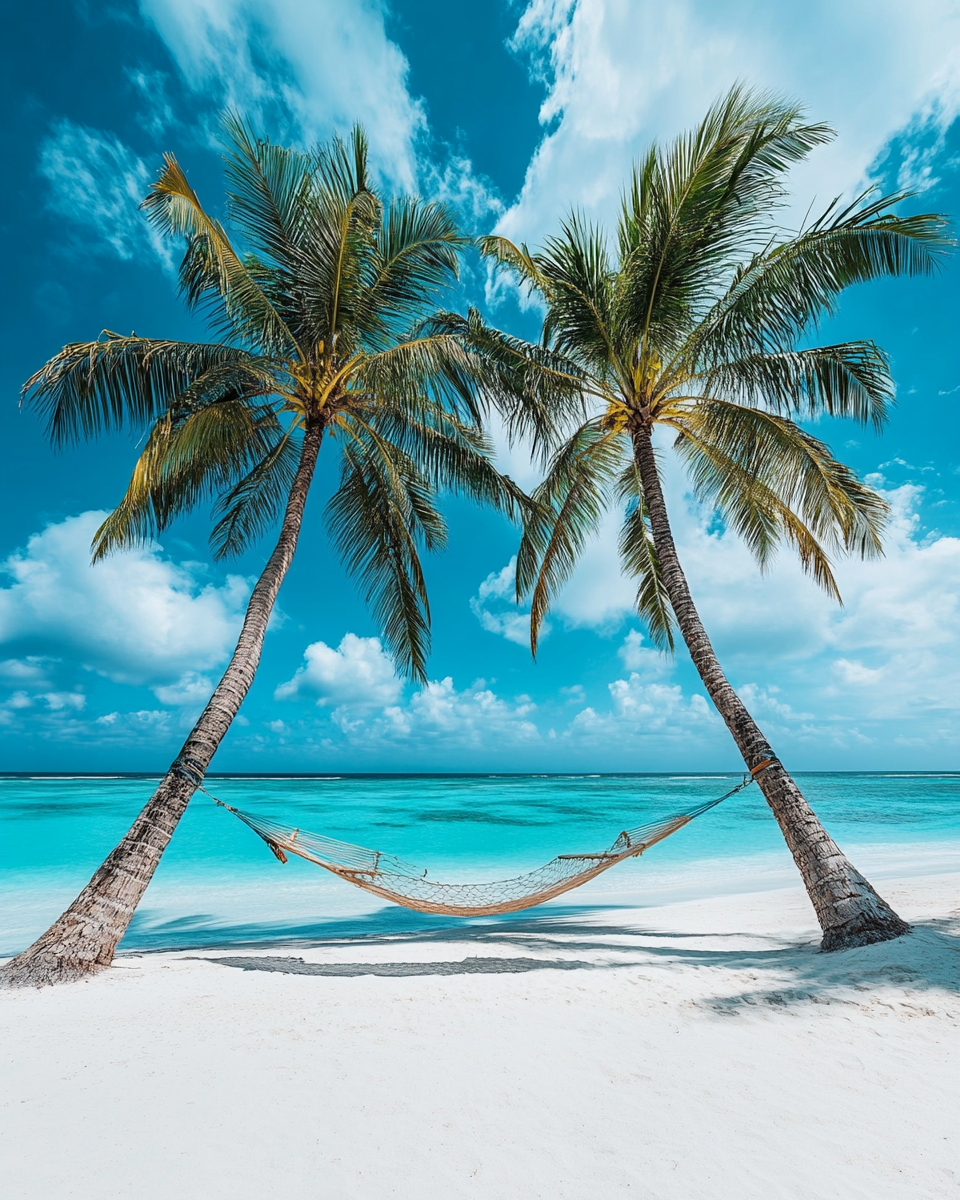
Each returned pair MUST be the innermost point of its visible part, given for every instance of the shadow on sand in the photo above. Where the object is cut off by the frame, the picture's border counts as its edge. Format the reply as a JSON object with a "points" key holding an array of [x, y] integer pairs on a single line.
{"points": [[927, 959]]}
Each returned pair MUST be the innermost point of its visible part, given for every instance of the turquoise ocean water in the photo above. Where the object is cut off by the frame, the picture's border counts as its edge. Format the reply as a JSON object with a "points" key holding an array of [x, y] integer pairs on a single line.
{"points": [[218, 884]]}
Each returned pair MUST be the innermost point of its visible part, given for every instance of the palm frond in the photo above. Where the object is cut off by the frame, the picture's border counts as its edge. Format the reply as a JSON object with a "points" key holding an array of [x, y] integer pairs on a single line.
{"points": [[771, 480], [454, 456], [569, 504], [693, 208], [536, 390], [91, 388], [212, 272], [257, 501], [267, 188], [382, 508], [849, 380], [417, 256], [184, 462], [780, 292]]}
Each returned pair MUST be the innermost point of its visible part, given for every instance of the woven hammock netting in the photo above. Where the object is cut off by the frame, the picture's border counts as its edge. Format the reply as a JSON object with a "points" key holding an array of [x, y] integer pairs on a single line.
{"points": [[404, 884]]}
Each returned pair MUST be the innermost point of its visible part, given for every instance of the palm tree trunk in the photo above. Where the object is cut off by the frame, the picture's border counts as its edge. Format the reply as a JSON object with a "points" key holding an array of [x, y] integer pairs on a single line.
{"points": [[849, 911], [84, 938]]}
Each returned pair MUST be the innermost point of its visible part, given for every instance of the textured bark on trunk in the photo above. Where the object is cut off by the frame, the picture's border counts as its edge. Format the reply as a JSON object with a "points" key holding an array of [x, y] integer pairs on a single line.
{"points": [[84, 938], [849, 910]]}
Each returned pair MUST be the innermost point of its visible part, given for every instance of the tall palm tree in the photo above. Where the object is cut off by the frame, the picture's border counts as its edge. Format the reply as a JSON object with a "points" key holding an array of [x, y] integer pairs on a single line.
{"points": [[321, 322], [698, 325]]}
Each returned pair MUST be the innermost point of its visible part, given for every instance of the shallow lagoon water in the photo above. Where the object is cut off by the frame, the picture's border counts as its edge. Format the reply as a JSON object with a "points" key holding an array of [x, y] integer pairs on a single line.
{"points": [[218, 884]]}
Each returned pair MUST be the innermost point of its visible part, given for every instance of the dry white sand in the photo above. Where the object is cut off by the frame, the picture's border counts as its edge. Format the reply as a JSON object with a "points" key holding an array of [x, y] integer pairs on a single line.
{"points": [[698, 1051]]}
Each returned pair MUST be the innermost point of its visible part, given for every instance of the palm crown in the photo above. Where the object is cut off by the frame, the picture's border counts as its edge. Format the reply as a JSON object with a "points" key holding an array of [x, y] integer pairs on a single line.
{"points": [[696, 322], [321, 312]]}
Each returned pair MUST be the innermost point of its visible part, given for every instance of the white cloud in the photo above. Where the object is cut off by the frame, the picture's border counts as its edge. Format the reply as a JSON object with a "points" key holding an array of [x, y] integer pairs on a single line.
{"points": [[456, 184], [99, 182], [134, 618], [646, 710], [635, 656], [357, 674], [157, 115], [35, 668], [891, 652], [621, 73], [598, 593], [357, 681], [495, 608], [191, 690], [324, 64], [438, 717], [54, 701]]}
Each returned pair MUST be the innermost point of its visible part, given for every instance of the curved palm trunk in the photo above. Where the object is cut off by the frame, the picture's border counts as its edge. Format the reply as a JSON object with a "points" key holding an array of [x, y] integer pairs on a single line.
{"points": [[85, 937], [849, 911]]}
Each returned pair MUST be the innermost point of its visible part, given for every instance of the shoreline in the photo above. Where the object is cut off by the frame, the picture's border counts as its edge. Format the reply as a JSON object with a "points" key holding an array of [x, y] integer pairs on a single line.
{"points": [[701, 1048]]}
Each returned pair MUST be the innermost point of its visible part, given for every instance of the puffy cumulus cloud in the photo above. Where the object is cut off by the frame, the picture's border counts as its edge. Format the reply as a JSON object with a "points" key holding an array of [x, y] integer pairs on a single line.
{"points": [[50, 702], [636, 656], [358, 674], [134, 618], [495, 608], [598, 594], [98, 181], [371, 713], [620, 73], [325, 64], [474, 718], [889, 654], [643, 709]]}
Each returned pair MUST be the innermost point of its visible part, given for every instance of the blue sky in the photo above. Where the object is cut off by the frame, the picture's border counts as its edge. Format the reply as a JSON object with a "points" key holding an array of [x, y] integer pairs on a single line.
{"points": [[511, 112]]}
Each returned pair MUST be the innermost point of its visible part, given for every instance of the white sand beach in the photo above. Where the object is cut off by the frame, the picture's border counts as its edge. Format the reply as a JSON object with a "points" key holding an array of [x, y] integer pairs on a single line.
{"points": [[696, 1050]]}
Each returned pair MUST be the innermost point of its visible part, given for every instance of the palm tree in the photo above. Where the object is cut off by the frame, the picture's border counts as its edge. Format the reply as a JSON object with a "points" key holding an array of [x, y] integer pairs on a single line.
{"points": [[698, 325], [321, 323]]}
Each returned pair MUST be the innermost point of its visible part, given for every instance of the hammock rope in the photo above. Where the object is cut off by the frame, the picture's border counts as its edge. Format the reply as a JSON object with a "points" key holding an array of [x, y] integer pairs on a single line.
{"points": [[402, 883]]}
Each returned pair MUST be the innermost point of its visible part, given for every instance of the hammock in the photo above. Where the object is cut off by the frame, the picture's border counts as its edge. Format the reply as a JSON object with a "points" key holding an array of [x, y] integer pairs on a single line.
{"points": [[402, 883]]}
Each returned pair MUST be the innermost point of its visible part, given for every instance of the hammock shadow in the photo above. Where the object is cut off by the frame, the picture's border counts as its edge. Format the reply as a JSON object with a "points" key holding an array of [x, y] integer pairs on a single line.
{"points": [[390, 923], [402, 970], [785, 972]]}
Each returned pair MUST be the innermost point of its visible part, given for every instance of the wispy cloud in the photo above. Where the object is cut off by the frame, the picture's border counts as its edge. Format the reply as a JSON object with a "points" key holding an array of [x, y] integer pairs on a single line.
{"points": [[619, 75], [313, 68], [97, 183]]}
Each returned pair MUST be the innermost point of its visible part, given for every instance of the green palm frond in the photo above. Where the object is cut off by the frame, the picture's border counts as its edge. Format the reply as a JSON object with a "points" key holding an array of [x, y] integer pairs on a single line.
{"points": [[267, 189], [536, 390], [91, 388], [569, 506], [183, 463], [773, 298], [417, 257], [849, 380], [381, 510], [692, 209], [772, 481], [579, 319], [212, 273], [504, 253], [453, 455], [257, 501]]}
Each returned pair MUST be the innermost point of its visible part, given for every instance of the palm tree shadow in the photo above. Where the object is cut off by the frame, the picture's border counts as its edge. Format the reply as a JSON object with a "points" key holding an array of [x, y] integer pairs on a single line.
{"points": [[927, 959]]}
